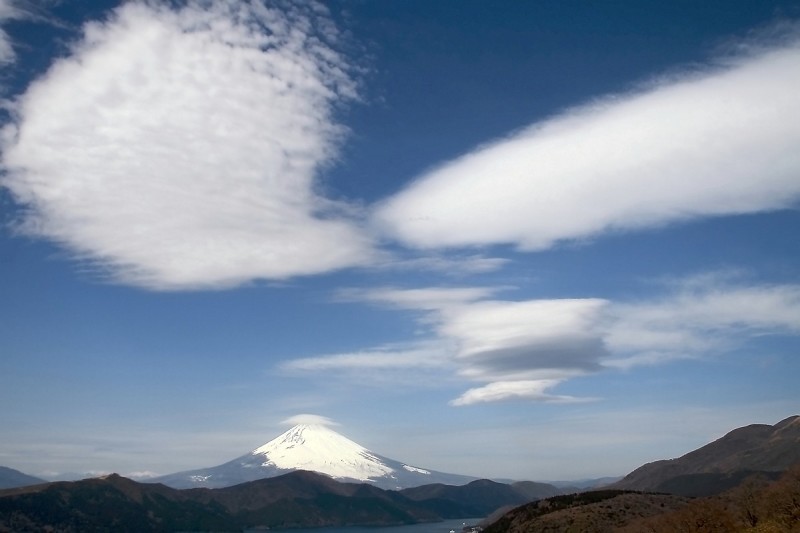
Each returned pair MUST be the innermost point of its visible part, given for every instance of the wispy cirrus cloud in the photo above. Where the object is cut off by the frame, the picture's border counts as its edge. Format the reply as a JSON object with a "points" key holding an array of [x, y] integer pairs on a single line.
{"points": [[713, 142], [420, 363], [429, 298], [453, 265], [394, 356], [523, 350], [181, 147], [9, 10], [703, 315]]}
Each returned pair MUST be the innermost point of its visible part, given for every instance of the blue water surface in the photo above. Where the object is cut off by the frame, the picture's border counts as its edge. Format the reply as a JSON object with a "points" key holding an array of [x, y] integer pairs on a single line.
{"points": [[436, 527]]}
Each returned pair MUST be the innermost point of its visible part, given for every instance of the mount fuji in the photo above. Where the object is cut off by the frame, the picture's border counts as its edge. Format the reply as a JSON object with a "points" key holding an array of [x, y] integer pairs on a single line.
{"points": [[316, 448]]}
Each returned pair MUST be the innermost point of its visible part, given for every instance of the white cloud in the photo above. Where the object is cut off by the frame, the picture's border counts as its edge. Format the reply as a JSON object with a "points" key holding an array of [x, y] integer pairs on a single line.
{"points": [[700, 319], [454, 265], [521, 350], [6, 51], [430, 299], [498, 328], [413, 355], [141, 475], [8, 11], [534, 390], [718, 143], [180, 148], [423, 363], [309, 419]]}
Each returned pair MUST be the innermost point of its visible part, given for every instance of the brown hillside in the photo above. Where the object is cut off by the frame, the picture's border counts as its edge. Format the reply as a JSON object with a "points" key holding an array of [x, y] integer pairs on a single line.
{"points": [[755, 506], [754, 448], [588, 512]]}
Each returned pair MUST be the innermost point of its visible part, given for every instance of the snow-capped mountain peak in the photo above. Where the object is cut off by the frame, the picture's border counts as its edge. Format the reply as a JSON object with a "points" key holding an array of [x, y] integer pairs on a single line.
{"points": [[319, 448], [313, 447]]}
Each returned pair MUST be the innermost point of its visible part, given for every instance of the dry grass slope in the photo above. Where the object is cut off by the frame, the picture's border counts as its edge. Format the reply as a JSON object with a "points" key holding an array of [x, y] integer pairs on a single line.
{"points": [[758, 505], [597, 511]]}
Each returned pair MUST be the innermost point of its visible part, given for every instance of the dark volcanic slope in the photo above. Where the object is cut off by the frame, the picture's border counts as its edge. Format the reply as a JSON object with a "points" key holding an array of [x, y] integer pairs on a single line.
{"points": [[754, 448], [10, 478], [298, 499]]}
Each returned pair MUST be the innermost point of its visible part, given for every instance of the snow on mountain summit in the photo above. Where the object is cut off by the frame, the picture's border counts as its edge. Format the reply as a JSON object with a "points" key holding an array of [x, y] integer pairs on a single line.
{"points": [[320, 449], [317, 448]]}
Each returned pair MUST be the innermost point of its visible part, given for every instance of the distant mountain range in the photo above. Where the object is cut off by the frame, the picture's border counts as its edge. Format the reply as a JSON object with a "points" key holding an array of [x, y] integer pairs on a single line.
{"points": [[483, 495], [723, 463], [297, 499], [309, 499], [10, 478], [315, 448]]}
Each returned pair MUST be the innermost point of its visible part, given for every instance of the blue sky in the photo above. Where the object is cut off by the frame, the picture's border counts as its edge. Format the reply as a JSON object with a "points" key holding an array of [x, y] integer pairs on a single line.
{"points": [[529, 240]]}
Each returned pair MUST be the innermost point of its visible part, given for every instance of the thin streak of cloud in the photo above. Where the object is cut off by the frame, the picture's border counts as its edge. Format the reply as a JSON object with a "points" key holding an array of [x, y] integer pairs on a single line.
{"points": [[9, 10], [181, 148], [418, 355], [712, 143], [456, 265], [426, 298], [6, 51]]}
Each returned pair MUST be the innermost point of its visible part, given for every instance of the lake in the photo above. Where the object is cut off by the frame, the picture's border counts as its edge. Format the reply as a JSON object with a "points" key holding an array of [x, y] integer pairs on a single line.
{"points": [[435, 527]]}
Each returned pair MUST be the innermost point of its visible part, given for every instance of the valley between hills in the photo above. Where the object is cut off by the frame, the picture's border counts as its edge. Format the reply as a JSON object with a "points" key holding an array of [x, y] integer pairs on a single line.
{"points": [[748, 480]]}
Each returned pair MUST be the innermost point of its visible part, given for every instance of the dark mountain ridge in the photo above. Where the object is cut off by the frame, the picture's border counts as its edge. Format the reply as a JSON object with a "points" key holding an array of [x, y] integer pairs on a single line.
{"points": [[10, 478], [749, 476], [297, 499], [718, 465], [481, 497]]}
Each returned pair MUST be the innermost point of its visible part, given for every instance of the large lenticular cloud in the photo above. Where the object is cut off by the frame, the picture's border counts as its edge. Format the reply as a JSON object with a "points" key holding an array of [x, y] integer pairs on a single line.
{"points": [[718, 143], [179, 148], [522, 350]]}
